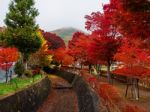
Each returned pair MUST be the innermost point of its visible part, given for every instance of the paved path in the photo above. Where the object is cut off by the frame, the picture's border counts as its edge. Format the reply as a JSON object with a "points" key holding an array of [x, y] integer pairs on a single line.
{"points": [[61, 98]]}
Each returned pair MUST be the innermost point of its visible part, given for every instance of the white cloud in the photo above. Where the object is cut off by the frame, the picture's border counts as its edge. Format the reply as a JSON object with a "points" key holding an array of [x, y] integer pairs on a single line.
{"points": [[59, 13]]}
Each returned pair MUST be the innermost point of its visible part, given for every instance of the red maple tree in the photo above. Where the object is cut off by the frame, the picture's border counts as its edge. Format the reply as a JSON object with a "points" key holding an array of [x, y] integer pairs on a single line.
{"points": [[134, 60], [132, 18], [105, 37], [78, 47], [61, 56], [53, 40], [7, 57]]}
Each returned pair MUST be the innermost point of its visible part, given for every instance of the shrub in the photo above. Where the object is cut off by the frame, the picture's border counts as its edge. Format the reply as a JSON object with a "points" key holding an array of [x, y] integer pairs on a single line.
{"points": [[28, 73], [19, 68], [36, 71]]}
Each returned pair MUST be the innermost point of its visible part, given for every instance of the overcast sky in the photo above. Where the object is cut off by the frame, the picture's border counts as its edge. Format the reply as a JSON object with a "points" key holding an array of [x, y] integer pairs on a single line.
{"points": [[56, 14]]}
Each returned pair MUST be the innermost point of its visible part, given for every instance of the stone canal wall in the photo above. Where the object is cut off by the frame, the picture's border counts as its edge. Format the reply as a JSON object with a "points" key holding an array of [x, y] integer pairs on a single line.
{"points": [[28, 99]]}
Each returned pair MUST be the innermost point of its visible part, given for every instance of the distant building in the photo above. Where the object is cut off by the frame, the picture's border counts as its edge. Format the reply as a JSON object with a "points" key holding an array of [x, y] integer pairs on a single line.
{"points": [[11, 74]]}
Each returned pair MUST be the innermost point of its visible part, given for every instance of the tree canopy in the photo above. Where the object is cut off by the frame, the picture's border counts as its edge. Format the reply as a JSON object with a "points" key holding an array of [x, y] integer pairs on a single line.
{"points": [[21, 31]]}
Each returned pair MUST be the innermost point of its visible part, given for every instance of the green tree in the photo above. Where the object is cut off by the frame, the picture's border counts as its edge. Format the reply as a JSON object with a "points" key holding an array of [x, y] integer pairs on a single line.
{"points": [[22, 29]]}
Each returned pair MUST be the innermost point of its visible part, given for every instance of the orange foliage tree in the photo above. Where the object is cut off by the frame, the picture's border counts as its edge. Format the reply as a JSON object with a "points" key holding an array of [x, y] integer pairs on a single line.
{"points": [[61, 56], [7, 57], [78, 47], [43, 56], [74, 51]]}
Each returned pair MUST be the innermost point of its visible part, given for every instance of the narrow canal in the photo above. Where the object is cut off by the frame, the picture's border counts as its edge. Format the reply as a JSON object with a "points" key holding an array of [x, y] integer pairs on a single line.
{"points": [[62, 98]]}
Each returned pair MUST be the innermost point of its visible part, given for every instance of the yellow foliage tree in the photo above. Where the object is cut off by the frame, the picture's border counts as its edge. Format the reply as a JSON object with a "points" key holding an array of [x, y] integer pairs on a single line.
{"points": [[43, 56]]}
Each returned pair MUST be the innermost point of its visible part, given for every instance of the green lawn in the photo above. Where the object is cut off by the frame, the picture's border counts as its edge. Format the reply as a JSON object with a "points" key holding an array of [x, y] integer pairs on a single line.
{"points": [[16, 84]]}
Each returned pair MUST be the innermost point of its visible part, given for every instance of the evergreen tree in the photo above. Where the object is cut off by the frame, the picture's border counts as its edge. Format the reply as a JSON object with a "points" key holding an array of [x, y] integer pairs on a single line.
{"points": [[21, 27]]}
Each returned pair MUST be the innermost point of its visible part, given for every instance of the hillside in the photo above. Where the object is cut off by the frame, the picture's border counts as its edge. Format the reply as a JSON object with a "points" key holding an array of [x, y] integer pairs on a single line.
{"points": [[66, 33]]}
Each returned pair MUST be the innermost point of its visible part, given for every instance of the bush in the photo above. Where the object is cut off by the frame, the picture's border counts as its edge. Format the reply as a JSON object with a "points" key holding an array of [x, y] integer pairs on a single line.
{"points": [[36, 71], [28, 73], [19, 68]]}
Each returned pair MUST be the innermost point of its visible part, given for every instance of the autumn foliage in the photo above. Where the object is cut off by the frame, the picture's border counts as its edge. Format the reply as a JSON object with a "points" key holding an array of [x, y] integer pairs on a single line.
{"points": [[43, 56], [102, 49], [105, 37], [132, 17], [121, 25], [110, 96], [135, 61], [7, 57], [75, 50], [61, 56], [78, 47], [53, 41]]}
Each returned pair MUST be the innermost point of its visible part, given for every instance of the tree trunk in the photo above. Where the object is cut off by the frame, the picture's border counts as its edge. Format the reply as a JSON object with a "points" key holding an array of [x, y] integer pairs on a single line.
{"points": [[6, 73], [24, 61], [90, 66], [108, 73], [136, 91], [6, 76], [98, 68], [81, 66], [74, 66], [25, 65]]}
